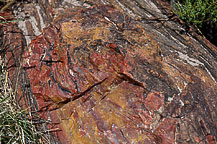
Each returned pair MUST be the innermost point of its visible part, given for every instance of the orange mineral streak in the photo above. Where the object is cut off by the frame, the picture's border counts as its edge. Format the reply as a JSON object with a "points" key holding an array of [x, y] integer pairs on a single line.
{"points": [[99, 119]]}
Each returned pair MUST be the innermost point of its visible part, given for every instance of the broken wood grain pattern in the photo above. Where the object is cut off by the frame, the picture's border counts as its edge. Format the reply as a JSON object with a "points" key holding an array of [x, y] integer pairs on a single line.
{"points": [[114, 71]]}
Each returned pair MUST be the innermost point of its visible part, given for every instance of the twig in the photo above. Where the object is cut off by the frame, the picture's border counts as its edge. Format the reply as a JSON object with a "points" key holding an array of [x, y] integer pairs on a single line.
{"points": [[7, 5]]}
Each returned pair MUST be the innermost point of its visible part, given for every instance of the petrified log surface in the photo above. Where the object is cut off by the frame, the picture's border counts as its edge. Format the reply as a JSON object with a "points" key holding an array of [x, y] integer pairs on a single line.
{"points": [[111, 71]]}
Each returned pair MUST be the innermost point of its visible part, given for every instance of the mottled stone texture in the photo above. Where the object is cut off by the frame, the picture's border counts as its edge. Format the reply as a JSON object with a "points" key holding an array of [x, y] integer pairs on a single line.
{"points": [[118, 73]]}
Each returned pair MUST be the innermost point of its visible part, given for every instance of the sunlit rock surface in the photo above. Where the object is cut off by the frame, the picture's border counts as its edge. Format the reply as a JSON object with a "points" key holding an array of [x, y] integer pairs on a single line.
{"points": [[102, 75], [99, 74]]}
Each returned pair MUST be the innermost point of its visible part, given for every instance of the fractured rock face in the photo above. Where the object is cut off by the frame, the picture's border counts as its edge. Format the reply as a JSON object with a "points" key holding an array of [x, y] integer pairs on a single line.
{"points": [[98, 74]]}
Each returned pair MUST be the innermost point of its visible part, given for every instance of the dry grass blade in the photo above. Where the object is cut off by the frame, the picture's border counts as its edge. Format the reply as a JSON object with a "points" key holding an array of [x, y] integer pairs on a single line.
{"points": [[7, 5], [15, 124]]}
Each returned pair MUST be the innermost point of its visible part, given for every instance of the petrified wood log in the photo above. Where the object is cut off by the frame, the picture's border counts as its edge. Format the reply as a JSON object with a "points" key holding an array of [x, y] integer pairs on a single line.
{"points": [[113, 71]]}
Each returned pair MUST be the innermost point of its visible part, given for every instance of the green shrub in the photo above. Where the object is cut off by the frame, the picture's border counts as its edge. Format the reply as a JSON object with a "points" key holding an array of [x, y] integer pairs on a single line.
{"points": [[200, 13], [197, 12]]}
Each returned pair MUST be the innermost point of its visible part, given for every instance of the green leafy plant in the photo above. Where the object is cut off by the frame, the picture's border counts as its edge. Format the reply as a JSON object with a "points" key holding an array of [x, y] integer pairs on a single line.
{"points": [[200, 13], [197, 12]]}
